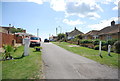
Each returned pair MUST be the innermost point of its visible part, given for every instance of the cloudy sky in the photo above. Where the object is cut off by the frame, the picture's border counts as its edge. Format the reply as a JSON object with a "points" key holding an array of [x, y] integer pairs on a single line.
{"points": [[46, 15]]}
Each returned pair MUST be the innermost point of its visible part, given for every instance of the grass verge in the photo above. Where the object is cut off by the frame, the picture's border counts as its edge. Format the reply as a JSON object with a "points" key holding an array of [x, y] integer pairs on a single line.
{"points": [[92, 54], [28, 67]]}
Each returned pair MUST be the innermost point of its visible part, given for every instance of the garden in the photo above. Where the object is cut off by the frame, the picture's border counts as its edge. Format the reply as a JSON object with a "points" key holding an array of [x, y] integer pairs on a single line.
{"points": [[17, 66], [94, 44], [111, 61]]}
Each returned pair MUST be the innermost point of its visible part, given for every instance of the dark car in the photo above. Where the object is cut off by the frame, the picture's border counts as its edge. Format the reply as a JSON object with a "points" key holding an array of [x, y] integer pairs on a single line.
{"points": [[46, 40], [35, 41]]}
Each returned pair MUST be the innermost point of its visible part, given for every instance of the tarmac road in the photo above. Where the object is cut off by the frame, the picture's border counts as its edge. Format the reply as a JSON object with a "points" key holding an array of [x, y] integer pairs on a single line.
{"points": [[62, 64]]}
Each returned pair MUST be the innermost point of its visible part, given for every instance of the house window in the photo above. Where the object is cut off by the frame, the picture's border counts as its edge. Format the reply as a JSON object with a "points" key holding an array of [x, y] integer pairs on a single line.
{"points": [[109, 37]]}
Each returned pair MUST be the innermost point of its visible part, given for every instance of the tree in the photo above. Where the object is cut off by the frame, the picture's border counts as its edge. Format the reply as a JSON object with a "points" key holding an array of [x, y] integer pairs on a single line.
{"points": [[78, 36], [15, 30], [61, 36]]}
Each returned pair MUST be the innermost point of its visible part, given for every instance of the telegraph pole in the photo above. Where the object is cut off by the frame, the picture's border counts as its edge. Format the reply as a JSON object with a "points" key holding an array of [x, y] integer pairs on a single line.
{"points": [[37, 32], [56, 31]]}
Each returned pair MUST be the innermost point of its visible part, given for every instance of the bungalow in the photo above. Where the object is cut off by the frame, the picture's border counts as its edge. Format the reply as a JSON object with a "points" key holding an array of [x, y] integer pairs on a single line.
{"points": [[72, 34], [7, 36], [107, 33], [92, 34], [110, 32], [53, 38]]}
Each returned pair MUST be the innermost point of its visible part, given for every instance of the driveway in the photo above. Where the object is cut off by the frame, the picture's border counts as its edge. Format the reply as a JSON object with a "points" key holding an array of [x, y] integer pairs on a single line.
{"points": [[62, 64]]}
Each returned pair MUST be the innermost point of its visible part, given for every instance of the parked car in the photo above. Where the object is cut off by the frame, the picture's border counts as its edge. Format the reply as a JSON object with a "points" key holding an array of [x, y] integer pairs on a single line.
{"points": [[46, 40], [35, 41]]}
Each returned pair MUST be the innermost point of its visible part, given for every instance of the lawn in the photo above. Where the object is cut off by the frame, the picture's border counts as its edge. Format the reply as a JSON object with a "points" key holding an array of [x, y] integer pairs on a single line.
{"points": [[92, 54], [29, 67]]}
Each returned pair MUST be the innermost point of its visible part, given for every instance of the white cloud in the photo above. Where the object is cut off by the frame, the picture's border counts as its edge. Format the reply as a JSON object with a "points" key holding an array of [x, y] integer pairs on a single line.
{"points": [[36, 1], [13, 0], [72, 23], [116, 5], [83, 8], [104, 23], [115, 2], [58, 5]]}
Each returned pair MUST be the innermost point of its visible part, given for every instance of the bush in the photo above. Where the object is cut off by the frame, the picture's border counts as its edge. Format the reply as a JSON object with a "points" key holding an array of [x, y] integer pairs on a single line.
{"points": [[85, 41], [74, 40], [96, 47], [111, 42], [96, 42], [117, 46], [104, 43], [105, 48], [8, 50]]}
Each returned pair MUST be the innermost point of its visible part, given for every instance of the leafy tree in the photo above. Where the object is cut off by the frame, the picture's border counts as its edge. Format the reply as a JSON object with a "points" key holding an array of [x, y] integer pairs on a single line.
{"points": [[15, 30], [78, 36], [8, 51], [61, 36]]}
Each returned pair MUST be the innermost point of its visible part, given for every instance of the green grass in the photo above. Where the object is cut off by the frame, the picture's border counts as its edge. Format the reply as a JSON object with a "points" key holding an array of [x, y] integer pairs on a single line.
{"points": [[92, 54], [28, 67]]}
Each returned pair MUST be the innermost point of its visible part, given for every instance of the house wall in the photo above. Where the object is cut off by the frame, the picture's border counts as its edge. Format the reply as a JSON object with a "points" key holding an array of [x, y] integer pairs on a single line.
{"points": [[7, 39], [119, 36], [18, 39], [88, 37], [102, 37], [0, 39], [113, 36]]}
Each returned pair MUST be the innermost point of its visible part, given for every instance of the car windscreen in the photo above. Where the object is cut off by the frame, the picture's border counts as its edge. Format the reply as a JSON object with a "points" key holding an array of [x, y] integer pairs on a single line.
{"points": [[34, 38]]}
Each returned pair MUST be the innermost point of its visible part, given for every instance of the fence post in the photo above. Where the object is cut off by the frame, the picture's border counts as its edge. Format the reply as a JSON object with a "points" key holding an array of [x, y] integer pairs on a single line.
{"points": [[26, 43], [109, 49], [100, 49]]}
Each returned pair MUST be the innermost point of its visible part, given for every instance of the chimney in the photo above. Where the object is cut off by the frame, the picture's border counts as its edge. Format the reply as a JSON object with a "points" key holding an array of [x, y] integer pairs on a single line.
{"points": [[113, 23], [75, 28], [9, 25]]}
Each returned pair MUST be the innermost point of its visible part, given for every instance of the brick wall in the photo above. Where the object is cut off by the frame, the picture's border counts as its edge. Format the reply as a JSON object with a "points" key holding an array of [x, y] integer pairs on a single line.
{"points": [[0, 39], [7, 39], [18, 39]]}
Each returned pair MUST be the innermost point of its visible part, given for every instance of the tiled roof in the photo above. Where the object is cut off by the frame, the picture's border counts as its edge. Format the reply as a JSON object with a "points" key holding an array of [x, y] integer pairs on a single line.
{"points": [[93, 32], [110, 29], [74, 32], [106, 30]]}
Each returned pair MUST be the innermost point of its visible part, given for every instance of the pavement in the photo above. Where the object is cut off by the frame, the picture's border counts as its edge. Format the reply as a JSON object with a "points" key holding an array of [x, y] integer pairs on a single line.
{"points": [[62, 64]]}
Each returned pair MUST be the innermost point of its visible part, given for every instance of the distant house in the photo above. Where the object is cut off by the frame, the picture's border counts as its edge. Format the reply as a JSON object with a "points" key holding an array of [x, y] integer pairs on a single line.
{"points": [[92, 34], [72, 34], [53, 38], [20, 36], [7, 37], [110, 32], [107, 33]]}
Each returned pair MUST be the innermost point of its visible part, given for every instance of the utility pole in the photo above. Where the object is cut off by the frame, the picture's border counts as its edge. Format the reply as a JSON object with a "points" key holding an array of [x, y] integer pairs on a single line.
{"points": [[60, 29], [37, 32], [49, 36], [56, 31]]}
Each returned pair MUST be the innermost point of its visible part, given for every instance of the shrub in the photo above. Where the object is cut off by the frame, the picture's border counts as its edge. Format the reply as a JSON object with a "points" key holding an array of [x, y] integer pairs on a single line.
{"points": [[96, 42], [111, 42], [96, 47], [8, 50], [74, 40], [104, 43], [117, 46], [85, 41], [105, 48]]}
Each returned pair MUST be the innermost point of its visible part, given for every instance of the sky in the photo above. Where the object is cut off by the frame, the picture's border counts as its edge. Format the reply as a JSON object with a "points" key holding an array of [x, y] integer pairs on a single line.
{"points": [[65, 15]]}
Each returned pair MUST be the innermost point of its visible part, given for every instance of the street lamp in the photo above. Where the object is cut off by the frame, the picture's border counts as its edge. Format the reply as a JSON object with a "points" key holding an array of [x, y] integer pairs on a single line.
{"points": [[57, 29], [60, 29]]}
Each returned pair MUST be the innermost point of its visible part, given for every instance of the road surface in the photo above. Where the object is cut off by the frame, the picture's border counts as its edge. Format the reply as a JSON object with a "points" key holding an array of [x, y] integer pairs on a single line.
{"points": [[62, 64]]}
